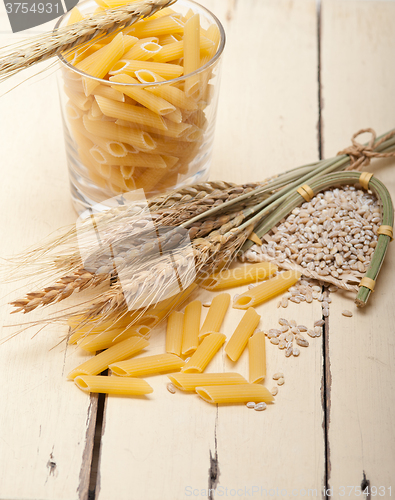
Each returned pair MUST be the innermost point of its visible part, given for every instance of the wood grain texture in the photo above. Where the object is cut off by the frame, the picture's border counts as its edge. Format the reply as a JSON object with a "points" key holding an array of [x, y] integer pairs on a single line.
{"points": [[46, 424], [173, 445], [358, 92]]}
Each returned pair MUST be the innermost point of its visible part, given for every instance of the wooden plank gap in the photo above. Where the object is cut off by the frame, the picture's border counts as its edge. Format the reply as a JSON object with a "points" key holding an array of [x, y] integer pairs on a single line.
{"points": [[213, 471], [326, 397], [319, 62]]}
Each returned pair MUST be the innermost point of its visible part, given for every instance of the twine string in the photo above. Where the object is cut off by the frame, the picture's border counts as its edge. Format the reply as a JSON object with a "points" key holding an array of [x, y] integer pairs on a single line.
{"points": [[361, 154]]}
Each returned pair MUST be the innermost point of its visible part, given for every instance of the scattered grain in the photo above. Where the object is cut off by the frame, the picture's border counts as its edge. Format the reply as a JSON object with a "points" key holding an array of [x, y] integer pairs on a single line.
{"points": [[347, 313], [171, 388]]}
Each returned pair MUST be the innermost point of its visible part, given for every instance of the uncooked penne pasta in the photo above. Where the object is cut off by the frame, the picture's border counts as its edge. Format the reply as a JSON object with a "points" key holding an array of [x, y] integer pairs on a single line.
{"points": [[161, 26], [142, 51], [204, 353], [165, 70], [240, 393], [216, 314], [78, 99], [189, 381], [118, 352], [109, 93], [257, 357], [108, 338], [192, 53], [128, 112], [243, 332], [240, 275], [130, 160], [156, 104], [175, 50], [190, 338], [113, 385], [137, 138], [100, 62], [174, 333], [147, 365], [267, 290]]}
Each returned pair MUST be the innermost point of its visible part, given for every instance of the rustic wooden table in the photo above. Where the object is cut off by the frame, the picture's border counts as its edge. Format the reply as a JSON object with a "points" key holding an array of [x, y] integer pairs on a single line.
{"points": [[299, 78]]}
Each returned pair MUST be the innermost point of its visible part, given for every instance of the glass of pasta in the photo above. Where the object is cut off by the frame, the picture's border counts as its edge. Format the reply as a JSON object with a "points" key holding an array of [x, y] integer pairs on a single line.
{"points": [[139, 105]]}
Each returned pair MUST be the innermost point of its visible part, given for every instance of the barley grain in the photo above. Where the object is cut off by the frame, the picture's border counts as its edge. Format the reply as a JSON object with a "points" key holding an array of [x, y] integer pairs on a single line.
{"points": [[347, 313]]}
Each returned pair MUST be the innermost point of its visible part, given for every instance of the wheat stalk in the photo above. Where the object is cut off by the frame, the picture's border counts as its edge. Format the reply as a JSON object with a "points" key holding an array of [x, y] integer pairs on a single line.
{"points": [[43, 47]]}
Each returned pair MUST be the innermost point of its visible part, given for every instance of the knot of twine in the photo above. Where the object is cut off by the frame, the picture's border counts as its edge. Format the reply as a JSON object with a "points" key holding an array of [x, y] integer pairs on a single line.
{"points": [[361, 154]]}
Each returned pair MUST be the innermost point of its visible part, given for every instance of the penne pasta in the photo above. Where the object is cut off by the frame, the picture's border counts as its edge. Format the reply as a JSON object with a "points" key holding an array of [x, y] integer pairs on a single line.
{"points": [[128, 67], [118, 352], [142, 51], [243, 332], [78, 99], [240, 393], [175, 50], [267, 290], [147, 365], [128, 112], [204, 353], [189, 381], [110, 337], [113, 385], [109, 93], [156, 104], [100, 62], [190, 338], [137, 138], [215, 315], [174, 333], [257, 357], [192, 54], [166, 25], [241, 275]]}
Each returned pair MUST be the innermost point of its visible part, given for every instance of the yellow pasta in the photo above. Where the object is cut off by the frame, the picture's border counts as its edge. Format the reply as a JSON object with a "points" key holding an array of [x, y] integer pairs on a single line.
{"points": [[167, 71], [100, 62], [131, 113], [147, 365], [216, 314], [174, 333], [118, 352], [152, 102], [78, 99], [166, 39], [142, 51], [189, 381], [241, 275], [109, 93], [240, 393], [267, 290], [243, 332], [161, 26], [137, 138], [204, 353], [192, 54], [113, 385], [175, 50], [108, 338], [190, 338], [128, 43], [171, 94], [175, 116], [257, 357]]}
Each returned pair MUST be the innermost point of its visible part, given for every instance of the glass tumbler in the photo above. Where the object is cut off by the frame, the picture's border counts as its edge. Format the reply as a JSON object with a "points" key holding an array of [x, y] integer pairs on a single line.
{"points": [[145, 120]]}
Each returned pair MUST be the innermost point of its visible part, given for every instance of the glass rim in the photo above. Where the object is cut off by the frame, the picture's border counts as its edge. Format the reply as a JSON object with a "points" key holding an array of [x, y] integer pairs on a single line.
{"points": [[208, 64]]}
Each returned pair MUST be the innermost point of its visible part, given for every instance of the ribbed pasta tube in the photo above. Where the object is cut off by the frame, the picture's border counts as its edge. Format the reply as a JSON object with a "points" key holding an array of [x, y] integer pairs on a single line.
{"points": [[156, 27], [240, 393], [204, 353], [106, 339], [101, 361], [267, 290], [148, 365], [165, 70], [243, 332], [189, 381], [190, 338], [216, 314], [257, 357], [174, 333], [238, 276], [192, 54], [130, 113], [113, 385]]}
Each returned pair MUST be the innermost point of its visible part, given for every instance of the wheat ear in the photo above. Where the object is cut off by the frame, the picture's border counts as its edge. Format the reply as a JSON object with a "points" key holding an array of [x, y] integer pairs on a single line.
{"points": [[43, 47]]}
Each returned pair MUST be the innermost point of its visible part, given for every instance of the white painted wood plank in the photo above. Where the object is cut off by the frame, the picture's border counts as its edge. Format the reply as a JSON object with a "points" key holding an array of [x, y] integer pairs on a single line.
{"points": [[358, 85], [267, 122], [46, 426]]}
